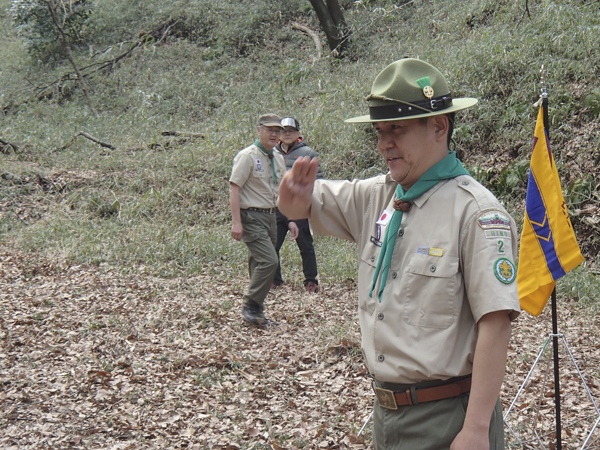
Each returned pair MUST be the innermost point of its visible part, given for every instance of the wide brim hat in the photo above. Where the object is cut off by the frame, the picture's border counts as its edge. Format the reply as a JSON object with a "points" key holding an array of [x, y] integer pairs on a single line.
{"points": [[410, 89]]}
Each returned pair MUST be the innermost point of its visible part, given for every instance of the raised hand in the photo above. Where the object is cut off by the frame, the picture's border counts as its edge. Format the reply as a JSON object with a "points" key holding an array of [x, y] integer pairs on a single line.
{"points": [[295, 191]]}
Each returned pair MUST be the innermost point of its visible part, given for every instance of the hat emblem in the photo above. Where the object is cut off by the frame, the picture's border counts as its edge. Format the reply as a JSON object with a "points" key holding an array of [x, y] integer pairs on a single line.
{"points": [[425, 84]]}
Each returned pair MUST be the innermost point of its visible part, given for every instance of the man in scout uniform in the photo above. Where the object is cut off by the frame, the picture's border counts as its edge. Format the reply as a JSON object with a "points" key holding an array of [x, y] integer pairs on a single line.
{"points": [[436, 275], [292, 147], [253, 185]]}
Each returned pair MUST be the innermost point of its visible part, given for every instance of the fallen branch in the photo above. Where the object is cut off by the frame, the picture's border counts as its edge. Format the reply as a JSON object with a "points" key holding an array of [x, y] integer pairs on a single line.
{"points": [[183, 133], [312, 34], [157, 35], [91, 138], [5, 147]]}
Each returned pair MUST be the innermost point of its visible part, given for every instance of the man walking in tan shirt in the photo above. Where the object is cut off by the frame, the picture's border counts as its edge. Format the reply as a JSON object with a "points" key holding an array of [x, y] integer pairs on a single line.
{"points": [[253, 186]]}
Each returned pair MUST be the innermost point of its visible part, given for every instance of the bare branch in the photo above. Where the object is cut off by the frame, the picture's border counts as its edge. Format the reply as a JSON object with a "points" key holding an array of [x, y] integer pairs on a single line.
{"points": [[386, 13], [166, 33], [5, 147], [183, 133], [313, 35], [91, 138], [65, 42], [41, 90]]}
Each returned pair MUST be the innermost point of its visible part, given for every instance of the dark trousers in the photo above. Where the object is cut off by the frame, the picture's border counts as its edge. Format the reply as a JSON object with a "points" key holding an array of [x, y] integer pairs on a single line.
{"points": [[305, 244]]}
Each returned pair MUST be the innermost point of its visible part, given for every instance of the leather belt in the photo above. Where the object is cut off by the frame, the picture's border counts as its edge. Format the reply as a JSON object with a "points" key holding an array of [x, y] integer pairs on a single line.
{"points": [[262, 210], [391, 400]]}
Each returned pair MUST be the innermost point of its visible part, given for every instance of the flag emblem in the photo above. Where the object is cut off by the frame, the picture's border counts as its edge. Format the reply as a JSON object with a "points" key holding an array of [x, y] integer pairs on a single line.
{"points": [[548, 248], [505, 270], [385, 217]]}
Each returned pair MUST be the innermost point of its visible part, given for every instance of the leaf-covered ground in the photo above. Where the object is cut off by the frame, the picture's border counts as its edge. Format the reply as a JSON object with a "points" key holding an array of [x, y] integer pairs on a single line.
{"points": [[94, 359]]}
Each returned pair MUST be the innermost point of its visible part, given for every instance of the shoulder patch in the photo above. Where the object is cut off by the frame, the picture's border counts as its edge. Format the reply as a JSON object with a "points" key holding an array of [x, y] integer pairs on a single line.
{"points": [[505, 270], [494, 219]]}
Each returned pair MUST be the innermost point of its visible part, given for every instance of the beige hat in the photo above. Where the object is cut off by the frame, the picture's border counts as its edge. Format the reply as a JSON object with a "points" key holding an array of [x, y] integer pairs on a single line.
{"points": [[270, 120], [410, 89]]}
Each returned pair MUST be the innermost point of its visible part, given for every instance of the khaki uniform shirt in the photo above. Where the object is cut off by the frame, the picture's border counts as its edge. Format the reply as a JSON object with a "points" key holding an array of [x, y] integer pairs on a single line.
{"points": [[448, 269], [253, 173]]}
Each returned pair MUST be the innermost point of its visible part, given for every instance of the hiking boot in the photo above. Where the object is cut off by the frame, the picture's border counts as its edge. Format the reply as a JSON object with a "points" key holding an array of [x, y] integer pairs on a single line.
{"points": [[311, 287], [253, 314], [269, 323]]}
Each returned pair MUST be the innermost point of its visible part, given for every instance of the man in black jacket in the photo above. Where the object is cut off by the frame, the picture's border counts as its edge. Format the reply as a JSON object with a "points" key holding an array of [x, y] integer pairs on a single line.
{"points": [[292, 146]]}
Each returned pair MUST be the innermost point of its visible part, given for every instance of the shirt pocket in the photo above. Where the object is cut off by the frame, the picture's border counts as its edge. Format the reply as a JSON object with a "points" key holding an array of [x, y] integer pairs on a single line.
{"points": [[259, 173], [366, 270], [280, 173], [430, 290]]}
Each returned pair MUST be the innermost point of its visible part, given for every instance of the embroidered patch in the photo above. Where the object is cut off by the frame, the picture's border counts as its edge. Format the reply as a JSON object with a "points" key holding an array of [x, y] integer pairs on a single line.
{"points": [[494, 219], [436, 251], [430, 251], [258, 166], [505, 270], [497, 234], [385, 217]]}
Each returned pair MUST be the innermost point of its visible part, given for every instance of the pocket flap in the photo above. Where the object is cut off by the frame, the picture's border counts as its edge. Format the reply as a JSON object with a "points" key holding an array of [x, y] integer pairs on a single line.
{"points": [[433, 266]]}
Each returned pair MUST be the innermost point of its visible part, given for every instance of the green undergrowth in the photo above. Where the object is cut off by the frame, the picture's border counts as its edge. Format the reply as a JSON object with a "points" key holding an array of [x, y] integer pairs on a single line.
{"points": [[207, 70]]}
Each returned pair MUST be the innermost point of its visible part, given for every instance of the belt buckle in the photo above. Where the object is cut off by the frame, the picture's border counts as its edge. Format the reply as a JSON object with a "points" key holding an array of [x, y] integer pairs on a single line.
{"points": [[386, 398]]}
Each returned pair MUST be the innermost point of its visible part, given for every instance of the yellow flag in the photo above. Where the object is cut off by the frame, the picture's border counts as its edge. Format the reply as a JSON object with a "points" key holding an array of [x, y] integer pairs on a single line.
{"points": [[548, 248]]}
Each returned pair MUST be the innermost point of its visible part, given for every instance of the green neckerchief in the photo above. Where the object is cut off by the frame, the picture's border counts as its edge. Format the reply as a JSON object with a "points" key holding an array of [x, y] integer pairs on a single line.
{"points": [[271, 157], [449, 167]]}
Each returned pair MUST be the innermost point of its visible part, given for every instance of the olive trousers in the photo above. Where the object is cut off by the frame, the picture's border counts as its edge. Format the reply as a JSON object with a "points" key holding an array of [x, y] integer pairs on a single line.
{"points": [[260, 236], [429, 426]]}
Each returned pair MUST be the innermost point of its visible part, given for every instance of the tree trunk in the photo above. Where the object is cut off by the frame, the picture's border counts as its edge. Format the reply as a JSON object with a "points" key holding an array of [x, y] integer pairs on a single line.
{"points": [[333, 24], [52, 7]]}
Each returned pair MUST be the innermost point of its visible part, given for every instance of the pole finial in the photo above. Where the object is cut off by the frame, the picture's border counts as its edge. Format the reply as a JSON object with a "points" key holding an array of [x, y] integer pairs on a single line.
{"points": [[543, 82]]}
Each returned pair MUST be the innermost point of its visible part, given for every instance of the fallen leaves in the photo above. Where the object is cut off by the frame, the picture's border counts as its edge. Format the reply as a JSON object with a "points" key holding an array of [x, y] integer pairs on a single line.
{"points": [[94, 359]]}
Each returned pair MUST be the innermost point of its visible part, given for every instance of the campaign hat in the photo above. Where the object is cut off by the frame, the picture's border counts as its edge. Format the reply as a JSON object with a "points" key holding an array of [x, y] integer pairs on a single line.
{"points": [[410, 89]]}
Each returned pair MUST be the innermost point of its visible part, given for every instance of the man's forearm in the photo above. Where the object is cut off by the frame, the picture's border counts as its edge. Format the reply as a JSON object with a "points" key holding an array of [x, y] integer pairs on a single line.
{"points": [[234, 203], [489, 366]]}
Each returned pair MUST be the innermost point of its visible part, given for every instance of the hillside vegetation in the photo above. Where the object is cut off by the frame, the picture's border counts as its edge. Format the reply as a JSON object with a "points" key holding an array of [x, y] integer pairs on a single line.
{"points": [[178, 86], [120, 287]]}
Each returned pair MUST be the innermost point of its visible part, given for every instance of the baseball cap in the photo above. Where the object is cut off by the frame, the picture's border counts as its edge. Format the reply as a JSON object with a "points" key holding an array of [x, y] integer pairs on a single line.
{"points": [[290, 122]]}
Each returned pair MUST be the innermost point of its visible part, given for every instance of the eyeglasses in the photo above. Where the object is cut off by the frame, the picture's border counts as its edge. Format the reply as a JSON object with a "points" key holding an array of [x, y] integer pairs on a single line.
{"points": [[271, 130]]}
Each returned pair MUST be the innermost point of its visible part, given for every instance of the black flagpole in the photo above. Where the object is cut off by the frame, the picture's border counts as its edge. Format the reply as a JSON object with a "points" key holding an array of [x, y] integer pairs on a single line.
{"points": [[554, 315]]}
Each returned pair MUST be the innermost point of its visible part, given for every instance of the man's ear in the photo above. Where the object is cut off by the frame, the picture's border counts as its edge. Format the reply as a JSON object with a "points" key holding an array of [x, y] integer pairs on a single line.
{"points": [[441, 125]]}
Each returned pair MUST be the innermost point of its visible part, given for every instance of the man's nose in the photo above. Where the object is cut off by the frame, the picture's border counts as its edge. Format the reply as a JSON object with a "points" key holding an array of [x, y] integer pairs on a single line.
{"points": [[385, 141]]}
